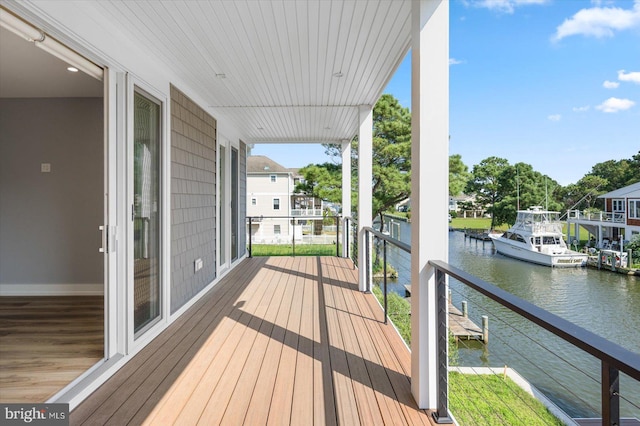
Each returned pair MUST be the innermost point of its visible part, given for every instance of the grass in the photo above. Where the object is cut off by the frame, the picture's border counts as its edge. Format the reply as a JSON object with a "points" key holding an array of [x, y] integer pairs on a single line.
{"points": [[475, 399], [488, 399], [399, 312], [474, 223], [287, 250]]}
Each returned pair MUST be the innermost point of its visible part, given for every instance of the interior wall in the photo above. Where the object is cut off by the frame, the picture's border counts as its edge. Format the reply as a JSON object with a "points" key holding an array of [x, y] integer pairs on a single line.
{"points": [[49, 221], [193, 198]]}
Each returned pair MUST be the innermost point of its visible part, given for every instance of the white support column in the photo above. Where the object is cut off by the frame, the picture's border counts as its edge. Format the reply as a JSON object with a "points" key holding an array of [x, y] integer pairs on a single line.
{"points": [[365, 190], [346, 191], [429, 185]]}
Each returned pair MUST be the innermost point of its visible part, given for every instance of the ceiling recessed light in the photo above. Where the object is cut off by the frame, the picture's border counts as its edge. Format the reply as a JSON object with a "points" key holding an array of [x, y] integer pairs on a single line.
{"points": [[338, 74], [72, 69]]}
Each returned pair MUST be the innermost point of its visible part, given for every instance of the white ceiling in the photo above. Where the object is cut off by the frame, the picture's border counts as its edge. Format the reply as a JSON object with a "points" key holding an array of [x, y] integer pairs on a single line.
{"points": [[268, 66], [27, 71]]}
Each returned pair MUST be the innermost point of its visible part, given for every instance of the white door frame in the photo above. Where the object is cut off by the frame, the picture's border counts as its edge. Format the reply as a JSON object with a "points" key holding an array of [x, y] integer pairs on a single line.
{"points": [[224, 241], [134, 343]]}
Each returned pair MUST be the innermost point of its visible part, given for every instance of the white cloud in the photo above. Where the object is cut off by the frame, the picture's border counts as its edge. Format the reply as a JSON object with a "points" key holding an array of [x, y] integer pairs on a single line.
{"points": [[629, 76], [610, 84], [454, 61], [599, 22], [581, 109], [615, 104], [506, 6], [554, 117]]}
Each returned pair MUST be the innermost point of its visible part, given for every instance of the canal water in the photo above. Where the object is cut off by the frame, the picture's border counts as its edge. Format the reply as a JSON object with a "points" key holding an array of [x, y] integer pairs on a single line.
{"points": [[602, 302]]}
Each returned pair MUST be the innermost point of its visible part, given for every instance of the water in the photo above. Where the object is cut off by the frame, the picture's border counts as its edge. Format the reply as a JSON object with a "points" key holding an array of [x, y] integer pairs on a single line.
{"points": [[602, 302]]}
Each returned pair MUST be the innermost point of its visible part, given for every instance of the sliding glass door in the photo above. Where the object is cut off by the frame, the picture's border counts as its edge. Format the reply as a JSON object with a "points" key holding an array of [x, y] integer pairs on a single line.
{"points": [[147, 139]]}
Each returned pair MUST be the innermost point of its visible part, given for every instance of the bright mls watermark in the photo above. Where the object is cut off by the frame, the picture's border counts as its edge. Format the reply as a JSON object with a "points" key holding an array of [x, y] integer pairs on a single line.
{"points": [[34, 414]]}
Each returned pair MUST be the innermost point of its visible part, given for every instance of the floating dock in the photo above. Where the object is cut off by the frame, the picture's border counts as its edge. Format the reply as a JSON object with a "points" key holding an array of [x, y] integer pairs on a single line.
{"points": [[460, 326]]}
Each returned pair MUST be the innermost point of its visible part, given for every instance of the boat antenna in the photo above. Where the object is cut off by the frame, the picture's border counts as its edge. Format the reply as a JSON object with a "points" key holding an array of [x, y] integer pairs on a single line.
{"points": [[546, 195], [518, 188]]}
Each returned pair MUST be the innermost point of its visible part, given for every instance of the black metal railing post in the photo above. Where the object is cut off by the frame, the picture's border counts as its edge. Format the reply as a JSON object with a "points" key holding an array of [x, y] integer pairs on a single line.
{"points": [[610, 395], [441, 415], [384, 260], [347, 234], [337, 236], [293, 238], [367, 256], [250, 236]]}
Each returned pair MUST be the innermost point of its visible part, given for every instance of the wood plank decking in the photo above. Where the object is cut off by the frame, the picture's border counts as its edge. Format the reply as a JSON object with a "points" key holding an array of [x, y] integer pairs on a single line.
{"points": [[277, 341]]}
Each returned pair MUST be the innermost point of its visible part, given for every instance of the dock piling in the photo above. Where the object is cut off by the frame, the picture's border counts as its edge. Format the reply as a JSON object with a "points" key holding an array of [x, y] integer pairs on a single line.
{"points": [[485, 329], [465, 310]]}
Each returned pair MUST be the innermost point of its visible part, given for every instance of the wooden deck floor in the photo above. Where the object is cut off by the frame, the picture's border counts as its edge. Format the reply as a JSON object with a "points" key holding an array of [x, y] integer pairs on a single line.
{"points": [[277, 341]]}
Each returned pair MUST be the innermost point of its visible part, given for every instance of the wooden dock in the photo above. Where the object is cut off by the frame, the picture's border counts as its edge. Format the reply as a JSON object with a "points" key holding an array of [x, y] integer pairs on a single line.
{"points": [[477, 234], [460, 326]]}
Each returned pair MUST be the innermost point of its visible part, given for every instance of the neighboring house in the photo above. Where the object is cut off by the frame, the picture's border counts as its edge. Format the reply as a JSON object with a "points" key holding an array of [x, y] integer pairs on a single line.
{"points": [[460, 204], [620, 219], [269, 189], [270, 193]]}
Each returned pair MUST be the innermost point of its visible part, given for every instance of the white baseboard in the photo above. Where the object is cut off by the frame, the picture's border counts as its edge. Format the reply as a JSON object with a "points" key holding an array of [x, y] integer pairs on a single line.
{"points": [[51, 289]]}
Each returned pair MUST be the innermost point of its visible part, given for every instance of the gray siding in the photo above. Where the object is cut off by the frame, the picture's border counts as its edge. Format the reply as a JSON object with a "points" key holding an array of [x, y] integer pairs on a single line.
{"points": [[242, 222], [49, 221], [193, 198]]}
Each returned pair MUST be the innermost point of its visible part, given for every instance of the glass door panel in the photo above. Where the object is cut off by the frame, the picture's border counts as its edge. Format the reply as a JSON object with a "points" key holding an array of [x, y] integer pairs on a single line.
{"points": [[223, 206], [234, 204], [146, 215]]}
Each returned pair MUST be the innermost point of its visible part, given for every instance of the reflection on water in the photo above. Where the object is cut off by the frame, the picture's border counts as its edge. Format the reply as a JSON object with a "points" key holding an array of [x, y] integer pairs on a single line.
{"points": [[604, 303]]}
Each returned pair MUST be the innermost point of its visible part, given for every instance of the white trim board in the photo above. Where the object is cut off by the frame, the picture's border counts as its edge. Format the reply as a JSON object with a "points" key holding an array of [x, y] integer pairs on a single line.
{"points": [[51, 289]]}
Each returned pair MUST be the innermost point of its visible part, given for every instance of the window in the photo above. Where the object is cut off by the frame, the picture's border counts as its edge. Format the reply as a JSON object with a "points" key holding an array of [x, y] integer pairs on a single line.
{"points": [[276, 203], [634, 209], [254, 201], [276, 229], [273, 178], [618, 205]]}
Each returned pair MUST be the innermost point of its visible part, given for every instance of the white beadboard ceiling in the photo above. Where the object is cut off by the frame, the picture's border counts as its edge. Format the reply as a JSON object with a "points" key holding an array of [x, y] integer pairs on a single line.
{"points": [[271, 66]]}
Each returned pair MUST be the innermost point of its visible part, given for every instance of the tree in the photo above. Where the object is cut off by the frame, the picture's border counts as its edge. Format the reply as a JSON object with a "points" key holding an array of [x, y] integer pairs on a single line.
{"points": [[618, 173], [485, 183], [458, 175], [583, 194], [323, 181], [391, 157], [522, 187]]}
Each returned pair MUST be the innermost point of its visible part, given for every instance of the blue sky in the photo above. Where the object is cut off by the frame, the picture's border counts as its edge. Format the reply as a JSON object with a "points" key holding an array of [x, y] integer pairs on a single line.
{"points": [[551, 83]]}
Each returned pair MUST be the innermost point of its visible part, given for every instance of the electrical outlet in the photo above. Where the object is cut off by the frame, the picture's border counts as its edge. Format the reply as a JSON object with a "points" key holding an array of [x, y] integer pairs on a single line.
{"points": [[45, 167], [197, 264]]}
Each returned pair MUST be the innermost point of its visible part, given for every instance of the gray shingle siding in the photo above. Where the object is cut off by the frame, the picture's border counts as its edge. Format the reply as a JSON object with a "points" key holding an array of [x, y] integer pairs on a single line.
{"points": [[193, 198]]}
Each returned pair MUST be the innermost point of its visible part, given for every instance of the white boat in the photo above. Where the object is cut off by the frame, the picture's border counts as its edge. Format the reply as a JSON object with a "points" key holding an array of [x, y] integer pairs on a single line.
{"points": [[537, 237]]}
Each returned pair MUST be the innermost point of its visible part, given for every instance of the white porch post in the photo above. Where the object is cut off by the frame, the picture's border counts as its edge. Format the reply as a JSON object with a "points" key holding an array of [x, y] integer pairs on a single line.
{"points": [[365, 190], [429, 185], [346, 191]]}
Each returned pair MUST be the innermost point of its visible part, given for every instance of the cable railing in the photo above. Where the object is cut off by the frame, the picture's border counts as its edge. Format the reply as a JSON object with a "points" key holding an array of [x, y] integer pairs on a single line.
{"points": [[293, 235], [599, 361]]}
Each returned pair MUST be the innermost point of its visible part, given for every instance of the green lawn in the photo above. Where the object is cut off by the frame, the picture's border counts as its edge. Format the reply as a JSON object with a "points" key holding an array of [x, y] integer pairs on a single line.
{"points": [[287, 250], [488, 399], [474, 223], [476, 399]]}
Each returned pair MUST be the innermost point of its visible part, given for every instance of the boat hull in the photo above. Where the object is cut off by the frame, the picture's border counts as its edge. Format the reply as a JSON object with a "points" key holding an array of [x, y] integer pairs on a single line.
{"points": [[568, 259]]}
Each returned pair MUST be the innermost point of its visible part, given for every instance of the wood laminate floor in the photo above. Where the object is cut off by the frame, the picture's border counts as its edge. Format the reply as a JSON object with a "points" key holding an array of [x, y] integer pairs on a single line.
{"points": [[47, 342]]}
